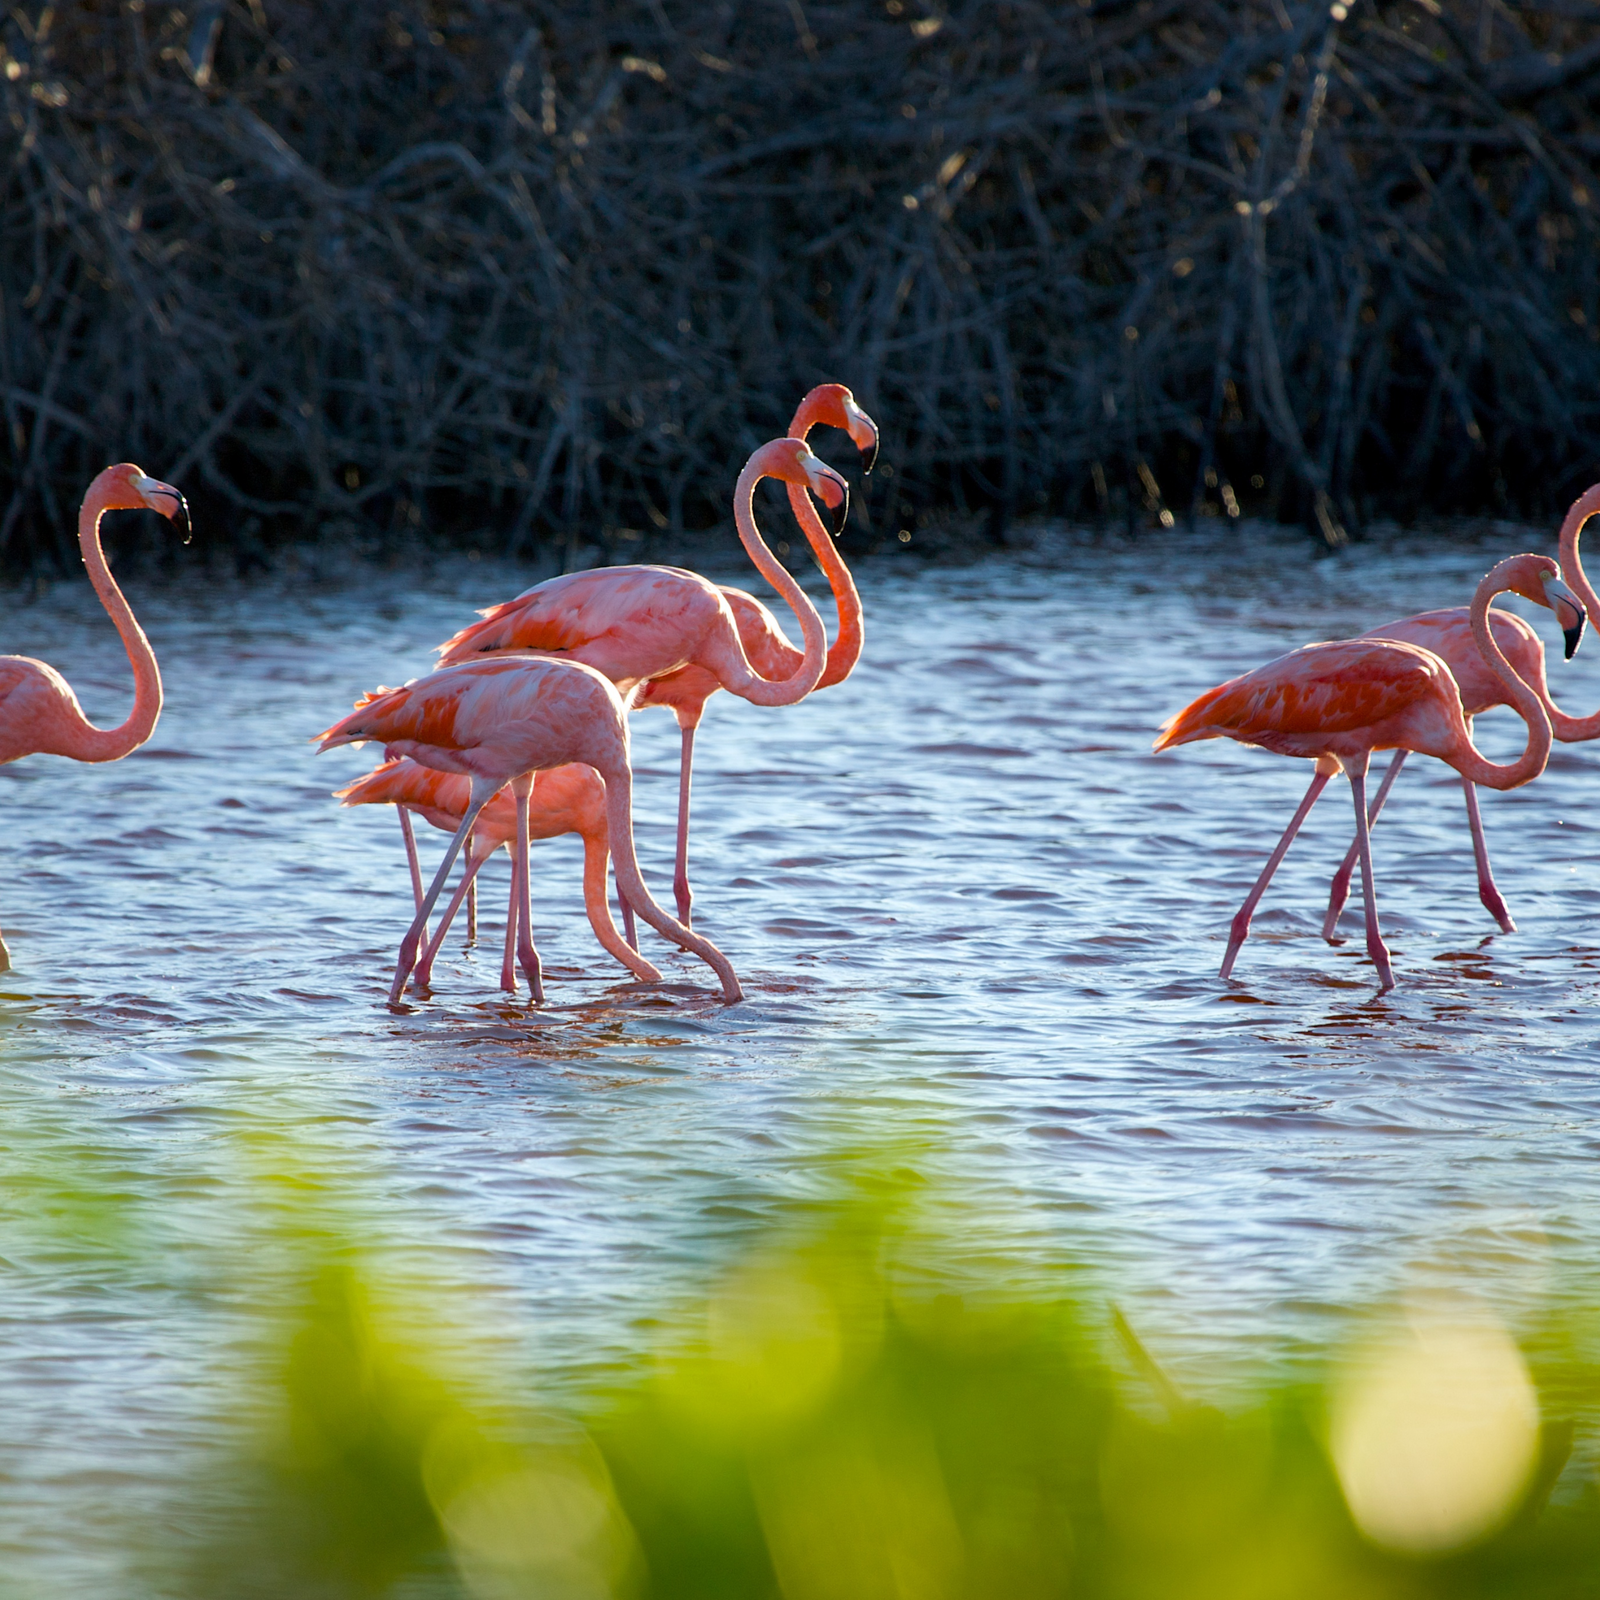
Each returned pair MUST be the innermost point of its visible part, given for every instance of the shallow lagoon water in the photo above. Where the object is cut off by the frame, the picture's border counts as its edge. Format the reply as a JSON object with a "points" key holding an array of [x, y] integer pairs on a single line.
{"points": [[979, 925]]}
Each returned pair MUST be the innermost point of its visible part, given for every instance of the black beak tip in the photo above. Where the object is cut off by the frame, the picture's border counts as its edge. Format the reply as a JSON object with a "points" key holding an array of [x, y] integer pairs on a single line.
{"points": [[869, 458], [188, 525], [1574, 637], [841, 513]]}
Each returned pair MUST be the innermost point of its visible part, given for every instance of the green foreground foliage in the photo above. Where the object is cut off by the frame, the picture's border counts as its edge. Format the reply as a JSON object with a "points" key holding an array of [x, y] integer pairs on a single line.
{"points": [[850, 1415]]}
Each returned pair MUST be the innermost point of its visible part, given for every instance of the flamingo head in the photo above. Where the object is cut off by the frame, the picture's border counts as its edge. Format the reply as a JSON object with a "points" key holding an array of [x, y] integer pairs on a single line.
{"points": [[791, 461], [833, 405], [1538, 578], [126, 487]]}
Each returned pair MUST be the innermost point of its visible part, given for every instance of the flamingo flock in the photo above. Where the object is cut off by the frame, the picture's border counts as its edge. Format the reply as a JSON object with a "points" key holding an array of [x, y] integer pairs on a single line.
{"points": [[521, 731]]}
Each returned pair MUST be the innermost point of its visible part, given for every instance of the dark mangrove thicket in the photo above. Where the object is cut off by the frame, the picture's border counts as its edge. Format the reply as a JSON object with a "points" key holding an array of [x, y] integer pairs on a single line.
{"points": [[512, 272]]}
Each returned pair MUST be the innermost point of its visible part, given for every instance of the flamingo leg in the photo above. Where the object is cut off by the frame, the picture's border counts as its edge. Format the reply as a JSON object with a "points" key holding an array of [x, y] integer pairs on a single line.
{"points": [[412, 862], [508, 964], [469, 876], [521, 788], [1241, 921], [1492, 902], [680, 872], [5, 957], [1340, 890], [630, 930], [482, 793], [472, 900], [1376, 948]]}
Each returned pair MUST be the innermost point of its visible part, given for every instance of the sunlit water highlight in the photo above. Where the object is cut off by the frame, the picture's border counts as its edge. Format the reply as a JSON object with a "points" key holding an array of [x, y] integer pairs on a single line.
{"points": [[975, 916]]}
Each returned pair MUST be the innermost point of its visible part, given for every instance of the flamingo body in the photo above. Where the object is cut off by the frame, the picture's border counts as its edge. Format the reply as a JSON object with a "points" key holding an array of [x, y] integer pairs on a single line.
{"points": [[1344, 699], [636, 624], [1339, 701], [1448, 633], [39, 713], [766, 646], [631, 623], [500, 720]]}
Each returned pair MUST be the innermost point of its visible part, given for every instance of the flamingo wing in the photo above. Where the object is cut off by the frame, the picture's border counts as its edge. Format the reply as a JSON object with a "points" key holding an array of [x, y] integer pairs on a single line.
{"points": [[1332, 688]]}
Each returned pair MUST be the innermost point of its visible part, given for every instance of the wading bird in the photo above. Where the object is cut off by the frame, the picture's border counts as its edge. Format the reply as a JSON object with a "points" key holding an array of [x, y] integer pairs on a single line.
{"points": [[39, 713], [766, 646], [500, 721], [639, 623], [1336, 703], [1448, 634], [569, 799]]}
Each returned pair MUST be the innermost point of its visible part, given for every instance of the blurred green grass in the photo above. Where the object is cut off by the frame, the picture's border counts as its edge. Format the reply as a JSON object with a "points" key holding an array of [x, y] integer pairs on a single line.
{"points": [[856, 1410]]}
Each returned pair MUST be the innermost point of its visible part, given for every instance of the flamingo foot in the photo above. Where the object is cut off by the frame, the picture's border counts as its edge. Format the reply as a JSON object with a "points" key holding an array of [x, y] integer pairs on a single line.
{"points": [[1380, 959], [404, 965], [1237, 935], [1496, 907], [529, 958], [1338, 893]]}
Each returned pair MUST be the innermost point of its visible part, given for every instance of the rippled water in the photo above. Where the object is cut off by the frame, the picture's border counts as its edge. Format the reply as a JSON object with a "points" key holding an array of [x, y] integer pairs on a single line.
{"points": [[976, 919]]}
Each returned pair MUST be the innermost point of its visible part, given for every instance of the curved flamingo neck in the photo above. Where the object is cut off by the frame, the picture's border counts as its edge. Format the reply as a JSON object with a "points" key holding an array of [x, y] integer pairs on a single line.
{"points": [[783, 691], [1519, 696], [845, 651], [1569, 729], [111, 744], [596, 859], [618, 777]]}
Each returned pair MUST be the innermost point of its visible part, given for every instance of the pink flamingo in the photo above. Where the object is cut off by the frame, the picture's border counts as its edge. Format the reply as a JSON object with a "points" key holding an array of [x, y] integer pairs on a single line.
{"points": [[39, 713], [1338, 702], [686, 691], [647, 625], [501, 721], [569, 799], [1448, 634]]}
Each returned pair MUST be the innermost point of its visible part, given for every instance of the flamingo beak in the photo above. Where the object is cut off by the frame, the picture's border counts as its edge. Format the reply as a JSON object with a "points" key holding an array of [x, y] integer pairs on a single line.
{"points": [[1574, 634], [864, 431], [1569, 612], [834, 493], [168, 501]]}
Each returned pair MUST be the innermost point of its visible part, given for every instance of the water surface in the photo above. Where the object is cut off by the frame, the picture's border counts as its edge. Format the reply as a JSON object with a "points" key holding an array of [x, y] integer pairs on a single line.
{"points": [[977, 921]]}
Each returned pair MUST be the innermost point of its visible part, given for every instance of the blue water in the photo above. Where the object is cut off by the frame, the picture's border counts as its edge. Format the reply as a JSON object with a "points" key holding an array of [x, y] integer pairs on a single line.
{"points": [[979, 925]]}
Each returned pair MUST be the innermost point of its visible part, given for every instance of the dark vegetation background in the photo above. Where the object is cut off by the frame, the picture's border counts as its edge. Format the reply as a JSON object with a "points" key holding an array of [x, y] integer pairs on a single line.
{"points": [[507, 274]]}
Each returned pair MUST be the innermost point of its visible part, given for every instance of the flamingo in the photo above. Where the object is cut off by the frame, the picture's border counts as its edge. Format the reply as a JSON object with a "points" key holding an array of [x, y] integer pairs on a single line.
{"points": [[500, 721], [1338, 702], [639, 624], [568, 799], [768, 649], [1448, 634], [39, 713]]}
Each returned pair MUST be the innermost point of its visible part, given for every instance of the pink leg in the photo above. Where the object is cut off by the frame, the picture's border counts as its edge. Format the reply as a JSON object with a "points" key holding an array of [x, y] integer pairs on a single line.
{"points": [[1369, 894], [508, 965], [472, 905], [1492, 903], [412, 862], [521, 788], [629, 930], [5, 957], [1241, 921], [680, 874], [469, 876], [482, 792], [1340, 892]]}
